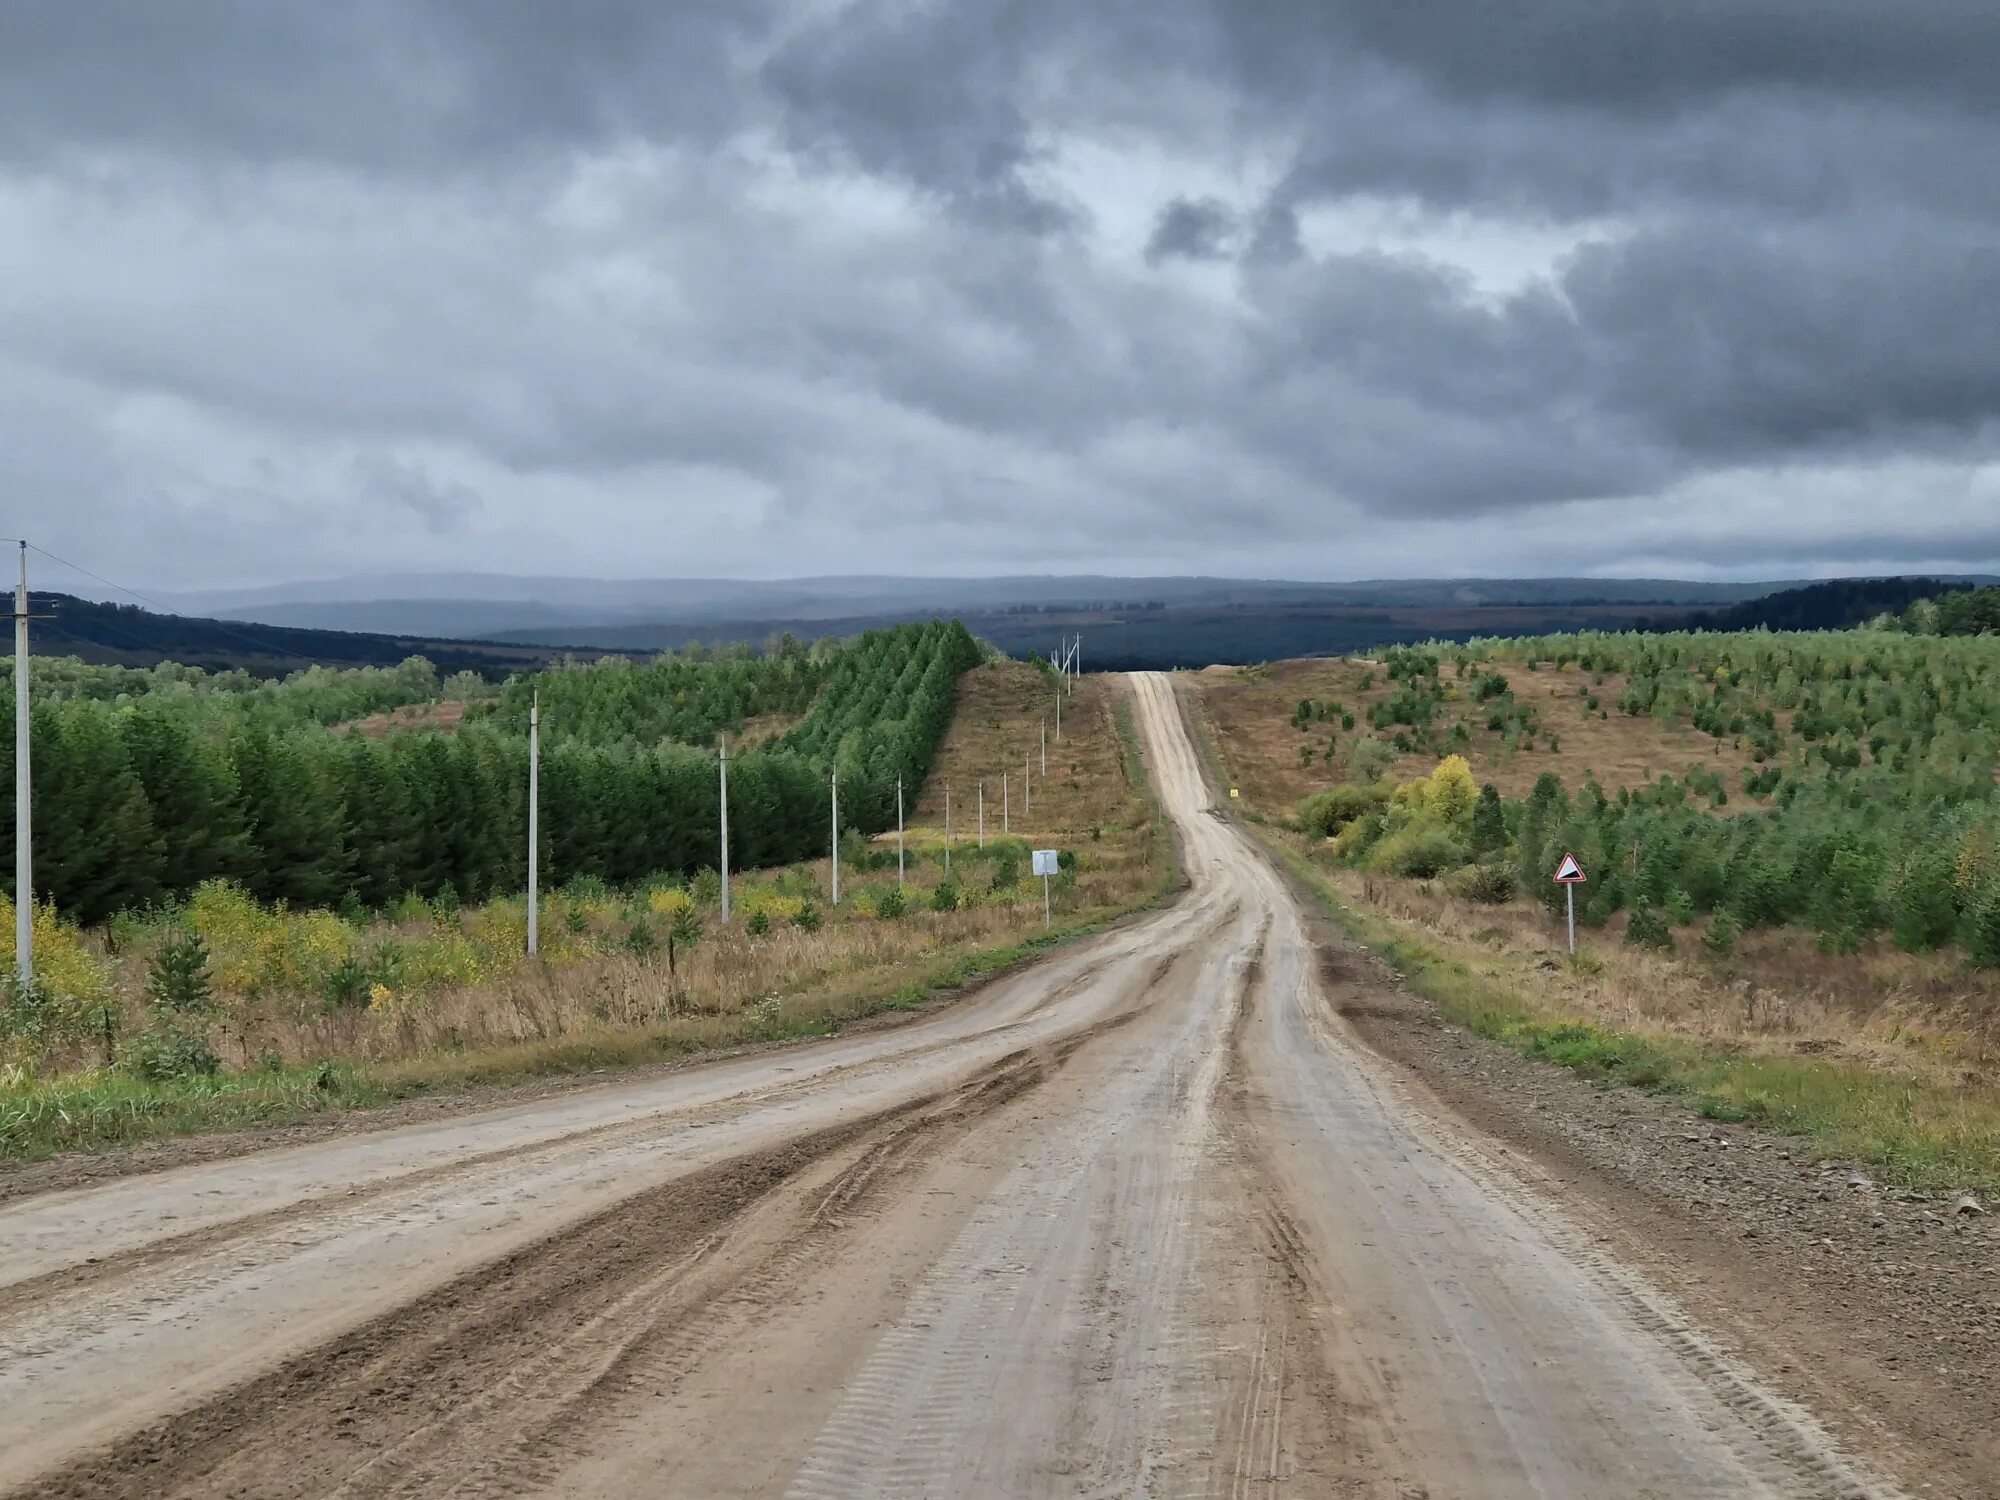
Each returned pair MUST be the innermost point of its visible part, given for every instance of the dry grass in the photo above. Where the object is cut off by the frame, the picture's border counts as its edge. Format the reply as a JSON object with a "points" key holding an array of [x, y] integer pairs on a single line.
{"points": [[444, 716], [1776, 993], [1085, 802], [1249, 711], [1888, 1087]]}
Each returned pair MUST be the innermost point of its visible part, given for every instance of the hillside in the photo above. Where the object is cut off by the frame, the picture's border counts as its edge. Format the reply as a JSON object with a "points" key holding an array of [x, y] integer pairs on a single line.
{"points": [[1838, 604], [129, 636]]}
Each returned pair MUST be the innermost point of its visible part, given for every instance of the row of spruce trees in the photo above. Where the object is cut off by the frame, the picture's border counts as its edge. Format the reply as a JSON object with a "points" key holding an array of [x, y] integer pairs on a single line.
{"points": [[138, 801]]}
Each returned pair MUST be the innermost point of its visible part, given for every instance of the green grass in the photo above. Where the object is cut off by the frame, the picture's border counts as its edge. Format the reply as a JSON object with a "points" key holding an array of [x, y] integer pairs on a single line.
{"points": [[1920, 1132]]}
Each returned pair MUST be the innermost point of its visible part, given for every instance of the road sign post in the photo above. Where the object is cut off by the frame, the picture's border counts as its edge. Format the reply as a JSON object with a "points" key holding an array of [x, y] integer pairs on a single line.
{"points": [[1046, 863], [1569, 875]]}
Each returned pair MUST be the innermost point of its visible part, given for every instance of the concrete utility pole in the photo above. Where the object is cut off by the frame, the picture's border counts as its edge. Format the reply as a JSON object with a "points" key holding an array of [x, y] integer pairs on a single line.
{"points": [[534, 822], [1027, 786], [1059, 699], [982, 815], [836, 838], [1006, 812], [899, 830], [947, 825], [723, 767], [24, 821], [1045, 749]]}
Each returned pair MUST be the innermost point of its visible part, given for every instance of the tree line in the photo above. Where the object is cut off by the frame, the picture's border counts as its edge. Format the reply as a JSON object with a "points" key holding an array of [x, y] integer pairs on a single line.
{"points": [[140, 798]]}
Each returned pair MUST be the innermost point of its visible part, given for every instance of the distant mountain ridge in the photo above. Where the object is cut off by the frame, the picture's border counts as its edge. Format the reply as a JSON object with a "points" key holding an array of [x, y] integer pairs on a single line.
{"points": [[126, 635], [496, 605]]}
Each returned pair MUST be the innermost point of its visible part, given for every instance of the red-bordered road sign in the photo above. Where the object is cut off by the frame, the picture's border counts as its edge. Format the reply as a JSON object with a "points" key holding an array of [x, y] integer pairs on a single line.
{"points": [[1569, 872]]}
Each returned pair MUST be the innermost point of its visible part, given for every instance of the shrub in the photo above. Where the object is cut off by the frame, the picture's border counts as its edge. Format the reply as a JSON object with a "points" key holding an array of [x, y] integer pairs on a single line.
{"points": [[171, 1053], [1648, 928], [944, 896], [347, 985], [1421, 851], [1490, 884], [759, 923], [808, 918], [1923, 907], [1367, 759], [1489, 823], [1720, 939], [1326, 812], [1982, 930], [890, 904]]}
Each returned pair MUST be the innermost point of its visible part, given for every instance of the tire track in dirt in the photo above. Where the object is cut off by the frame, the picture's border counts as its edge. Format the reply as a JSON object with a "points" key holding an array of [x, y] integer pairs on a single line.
{"points": [[422, 1398]]}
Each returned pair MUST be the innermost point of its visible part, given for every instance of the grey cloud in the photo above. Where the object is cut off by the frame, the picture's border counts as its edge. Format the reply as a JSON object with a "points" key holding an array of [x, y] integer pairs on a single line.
{"points": [[443, 505], [1192, 229], [760, 284], [393, 86]]}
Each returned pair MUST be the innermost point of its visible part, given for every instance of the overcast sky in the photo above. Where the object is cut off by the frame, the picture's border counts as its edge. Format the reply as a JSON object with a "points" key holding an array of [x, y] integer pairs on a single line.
{"points": [[1309, 288]]}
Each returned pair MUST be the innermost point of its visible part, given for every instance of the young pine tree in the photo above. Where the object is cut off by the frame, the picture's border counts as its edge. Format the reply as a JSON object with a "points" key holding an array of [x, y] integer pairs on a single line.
{"points": [[1489, 824], [178, 980]]}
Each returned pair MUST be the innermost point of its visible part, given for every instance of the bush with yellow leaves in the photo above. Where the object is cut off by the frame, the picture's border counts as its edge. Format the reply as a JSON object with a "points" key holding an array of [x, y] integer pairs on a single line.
{"points": [[71, 991]]}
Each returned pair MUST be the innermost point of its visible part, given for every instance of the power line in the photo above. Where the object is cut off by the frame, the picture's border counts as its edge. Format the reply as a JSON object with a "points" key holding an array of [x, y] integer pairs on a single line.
{"points": [[265, 647], [99, 578]]}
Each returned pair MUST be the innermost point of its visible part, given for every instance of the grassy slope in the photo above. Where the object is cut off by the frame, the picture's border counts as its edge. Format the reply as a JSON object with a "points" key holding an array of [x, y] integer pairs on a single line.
{"points": [[1097, 781], [1888, 1090]]}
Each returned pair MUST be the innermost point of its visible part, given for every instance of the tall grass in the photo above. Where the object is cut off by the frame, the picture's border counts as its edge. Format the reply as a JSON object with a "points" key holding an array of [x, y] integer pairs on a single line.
{"points": [[1925, 1127]]}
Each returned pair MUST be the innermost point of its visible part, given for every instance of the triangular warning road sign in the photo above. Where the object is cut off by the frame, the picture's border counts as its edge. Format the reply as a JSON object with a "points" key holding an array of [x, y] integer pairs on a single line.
{"points": [[1569, 872]]}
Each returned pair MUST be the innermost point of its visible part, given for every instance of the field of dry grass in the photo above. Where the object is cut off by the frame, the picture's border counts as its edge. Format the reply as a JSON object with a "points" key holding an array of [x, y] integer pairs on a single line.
{"points": [[443, 716], [1249, 711]]}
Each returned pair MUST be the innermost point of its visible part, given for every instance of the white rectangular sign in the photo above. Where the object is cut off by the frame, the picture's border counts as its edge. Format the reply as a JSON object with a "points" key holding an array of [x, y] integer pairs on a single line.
{"points": [[1046, 862]]}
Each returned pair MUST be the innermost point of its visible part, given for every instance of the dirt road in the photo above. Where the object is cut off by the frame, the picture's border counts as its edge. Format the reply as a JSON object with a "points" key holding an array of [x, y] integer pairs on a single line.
{"points": [[1144, 1220]]}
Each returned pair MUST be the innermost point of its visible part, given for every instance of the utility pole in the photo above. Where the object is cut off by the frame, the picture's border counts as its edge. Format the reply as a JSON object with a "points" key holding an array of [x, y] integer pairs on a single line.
{"points": [[982, 815], [24, 822], [1059, 699], [723, 766], [947, 825], [899, 830], [534, 822], [1027, 786], [1045, 749], [836, 838], [1006, 813]]}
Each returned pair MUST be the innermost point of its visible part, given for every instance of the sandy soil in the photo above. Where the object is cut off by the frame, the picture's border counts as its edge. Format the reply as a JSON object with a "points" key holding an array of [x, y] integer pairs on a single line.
{"points": [[1147, 1219]]}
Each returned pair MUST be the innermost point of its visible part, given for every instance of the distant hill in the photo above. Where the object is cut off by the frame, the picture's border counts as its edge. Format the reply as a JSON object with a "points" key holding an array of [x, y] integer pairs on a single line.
{"points": [[1837, 604], [495, 606], [126, 635]]}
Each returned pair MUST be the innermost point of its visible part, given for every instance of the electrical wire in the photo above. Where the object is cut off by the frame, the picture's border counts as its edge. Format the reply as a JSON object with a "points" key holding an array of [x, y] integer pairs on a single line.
{"points": [[264, 647]]}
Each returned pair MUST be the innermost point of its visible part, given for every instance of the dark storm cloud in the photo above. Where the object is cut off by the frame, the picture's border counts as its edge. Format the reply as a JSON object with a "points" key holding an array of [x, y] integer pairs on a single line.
{"points": [[751, 281]]}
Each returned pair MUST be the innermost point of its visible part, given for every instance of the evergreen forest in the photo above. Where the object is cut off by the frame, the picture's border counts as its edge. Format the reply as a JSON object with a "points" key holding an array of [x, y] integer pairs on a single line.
{"points": [[150, 781]]}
